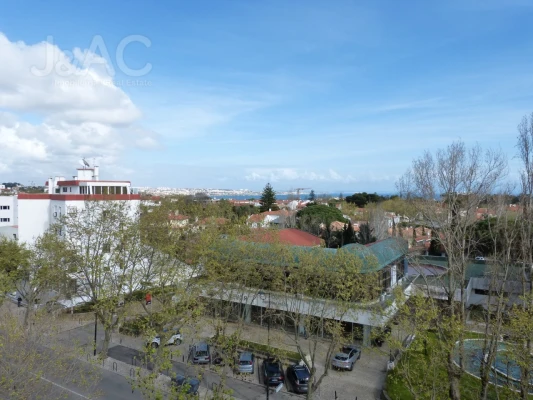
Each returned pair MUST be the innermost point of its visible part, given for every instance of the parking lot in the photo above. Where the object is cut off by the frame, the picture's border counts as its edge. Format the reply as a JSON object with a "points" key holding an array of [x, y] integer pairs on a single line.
{"points": [[364, 382]]}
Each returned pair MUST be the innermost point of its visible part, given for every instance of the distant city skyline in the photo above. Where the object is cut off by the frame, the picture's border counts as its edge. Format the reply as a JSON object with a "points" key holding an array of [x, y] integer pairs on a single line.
{"points": [[335, 96]]}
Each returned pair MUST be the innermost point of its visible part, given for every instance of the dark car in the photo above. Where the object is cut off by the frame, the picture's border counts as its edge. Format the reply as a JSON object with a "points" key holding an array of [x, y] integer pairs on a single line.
{"points": [[272, 372], [188, 384], [298, 377]]}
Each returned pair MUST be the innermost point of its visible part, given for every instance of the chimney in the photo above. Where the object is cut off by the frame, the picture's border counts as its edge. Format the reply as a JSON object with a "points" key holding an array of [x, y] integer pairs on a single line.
{"points": [[96, 175], [50, 186]]}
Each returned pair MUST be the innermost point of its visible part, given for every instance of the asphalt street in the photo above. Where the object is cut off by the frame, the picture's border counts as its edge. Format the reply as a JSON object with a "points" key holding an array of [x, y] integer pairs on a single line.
{"points": [[111, 386]]}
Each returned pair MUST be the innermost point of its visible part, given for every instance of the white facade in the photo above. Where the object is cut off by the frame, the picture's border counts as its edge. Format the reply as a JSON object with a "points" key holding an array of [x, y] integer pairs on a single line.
{"points": [[7, 211], [26, 216]]}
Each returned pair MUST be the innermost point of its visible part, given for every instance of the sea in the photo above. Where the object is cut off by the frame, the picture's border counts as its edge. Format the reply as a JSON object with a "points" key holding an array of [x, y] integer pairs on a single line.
{"points": [[287, 196]]}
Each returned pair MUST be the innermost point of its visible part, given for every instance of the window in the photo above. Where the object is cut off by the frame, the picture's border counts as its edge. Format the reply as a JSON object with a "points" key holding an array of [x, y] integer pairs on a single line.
{"points": [[111, 190], [124, 190], [70, 189], [105, 190], [4, 207], [64, 190], [98, 190], [117, 189], [72, 210], [4, 219]]}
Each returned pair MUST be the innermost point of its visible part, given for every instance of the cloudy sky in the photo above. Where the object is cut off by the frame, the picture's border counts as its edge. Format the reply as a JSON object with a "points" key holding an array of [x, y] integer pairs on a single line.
{"points": [[332, 95]]}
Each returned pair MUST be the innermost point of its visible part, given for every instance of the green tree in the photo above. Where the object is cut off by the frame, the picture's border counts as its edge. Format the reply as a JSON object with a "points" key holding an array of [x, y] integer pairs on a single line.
{"points": [[268, 199], [348, 234], [108, 258], [312, 195], [365, 234]]}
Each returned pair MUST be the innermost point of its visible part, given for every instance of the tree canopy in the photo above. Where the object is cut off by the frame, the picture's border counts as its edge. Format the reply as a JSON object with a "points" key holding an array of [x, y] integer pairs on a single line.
{"points": [[268, 199]]}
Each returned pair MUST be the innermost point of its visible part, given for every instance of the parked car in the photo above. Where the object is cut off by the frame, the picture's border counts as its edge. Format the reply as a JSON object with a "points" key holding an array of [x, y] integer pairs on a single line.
{"points": [[347, 358], [174, 339], [246, 363], [201, 353], [272, 372], [480, 258], [189, 385], [298, 377]]}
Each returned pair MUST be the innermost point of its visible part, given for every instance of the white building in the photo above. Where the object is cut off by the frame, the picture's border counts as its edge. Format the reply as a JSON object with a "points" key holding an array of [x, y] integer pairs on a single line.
{"points": [[26, 216]]}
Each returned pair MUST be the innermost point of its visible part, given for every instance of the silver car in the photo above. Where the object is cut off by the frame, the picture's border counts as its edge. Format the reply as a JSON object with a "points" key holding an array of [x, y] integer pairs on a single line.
{"points": [[347, 358], [246, 363], [201, 353]]}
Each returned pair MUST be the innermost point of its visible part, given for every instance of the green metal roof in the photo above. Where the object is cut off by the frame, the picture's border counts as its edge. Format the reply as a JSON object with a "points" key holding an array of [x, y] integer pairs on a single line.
{"points": [[375, 256]]}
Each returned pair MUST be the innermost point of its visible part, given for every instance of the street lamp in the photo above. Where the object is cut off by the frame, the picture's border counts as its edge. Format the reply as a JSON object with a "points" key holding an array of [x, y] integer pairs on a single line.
{"points": [[262, 296]]}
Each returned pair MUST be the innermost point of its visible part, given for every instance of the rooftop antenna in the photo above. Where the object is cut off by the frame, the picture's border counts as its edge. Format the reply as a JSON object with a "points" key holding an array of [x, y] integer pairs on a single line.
{"points": [[85, 162]]}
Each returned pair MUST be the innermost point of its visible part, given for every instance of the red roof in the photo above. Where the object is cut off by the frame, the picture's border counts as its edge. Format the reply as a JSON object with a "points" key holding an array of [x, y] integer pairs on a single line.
{"points": [[290, 236]]}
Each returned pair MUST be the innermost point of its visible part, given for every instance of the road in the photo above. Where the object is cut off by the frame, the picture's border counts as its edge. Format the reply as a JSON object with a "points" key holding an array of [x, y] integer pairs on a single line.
{"points": [[111, 386]]}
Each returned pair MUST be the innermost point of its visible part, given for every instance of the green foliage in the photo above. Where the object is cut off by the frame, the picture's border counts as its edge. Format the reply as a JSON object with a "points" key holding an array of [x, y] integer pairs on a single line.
{"points": [[13, 256], [320, 213], [312, 195], [362, 199], [348, 234], [231, 344], [268, 199], [84, 308], [365, 234]]}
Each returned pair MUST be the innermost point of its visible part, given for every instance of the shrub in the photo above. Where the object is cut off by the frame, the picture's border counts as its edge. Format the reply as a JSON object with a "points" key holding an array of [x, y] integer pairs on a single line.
{"points": [[84, 308]]}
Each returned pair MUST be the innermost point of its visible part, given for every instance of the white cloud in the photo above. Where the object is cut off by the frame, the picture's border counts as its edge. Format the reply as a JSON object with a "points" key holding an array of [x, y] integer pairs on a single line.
{"points": [[62, 106]]}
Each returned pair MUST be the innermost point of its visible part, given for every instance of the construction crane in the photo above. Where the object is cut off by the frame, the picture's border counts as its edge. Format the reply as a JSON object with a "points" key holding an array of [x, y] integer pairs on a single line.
{"points": [[298, 190]]}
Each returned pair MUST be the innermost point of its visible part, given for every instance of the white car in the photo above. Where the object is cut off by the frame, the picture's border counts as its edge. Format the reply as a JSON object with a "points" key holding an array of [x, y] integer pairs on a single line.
{"points": [[174, 339], [479, 258]]}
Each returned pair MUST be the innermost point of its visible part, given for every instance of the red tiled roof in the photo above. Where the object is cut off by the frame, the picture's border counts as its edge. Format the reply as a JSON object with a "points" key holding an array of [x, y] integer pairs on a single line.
{"points": [[336, 226], [290, 236]]}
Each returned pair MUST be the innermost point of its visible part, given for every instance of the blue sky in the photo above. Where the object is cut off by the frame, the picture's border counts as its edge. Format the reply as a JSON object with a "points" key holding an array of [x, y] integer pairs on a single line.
{"points": [[329, 95]]}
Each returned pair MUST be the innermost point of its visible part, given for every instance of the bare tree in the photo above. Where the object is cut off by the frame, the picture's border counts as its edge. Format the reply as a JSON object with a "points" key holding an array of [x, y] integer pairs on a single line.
{"points": [[447, 189], [103, 240], [522, 314]]}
